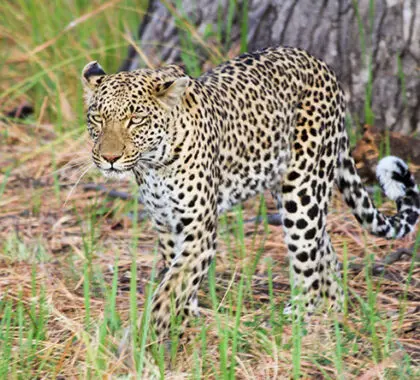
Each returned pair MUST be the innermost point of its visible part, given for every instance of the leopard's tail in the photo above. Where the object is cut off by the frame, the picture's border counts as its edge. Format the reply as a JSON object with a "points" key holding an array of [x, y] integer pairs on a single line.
{"points": [[397, 183]]}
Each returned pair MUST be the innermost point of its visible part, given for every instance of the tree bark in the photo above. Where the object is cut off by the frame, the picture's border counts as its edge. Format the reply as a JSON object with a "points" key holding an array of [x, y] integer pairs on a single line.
{"points": [[347, 34]]}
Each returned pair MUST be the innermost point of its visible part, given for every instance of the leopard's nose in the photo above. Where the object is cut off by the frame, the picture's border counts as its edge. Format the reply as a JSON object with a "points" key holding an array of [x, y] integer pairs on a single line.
{"points": [[111, 158]]}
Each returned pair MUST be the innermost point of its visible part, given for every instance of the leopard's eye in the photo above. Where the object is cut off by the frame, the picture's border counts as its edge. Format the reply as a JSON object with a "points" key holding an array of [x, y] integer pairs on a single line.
{"points": [[96, 118], [137, 119]]}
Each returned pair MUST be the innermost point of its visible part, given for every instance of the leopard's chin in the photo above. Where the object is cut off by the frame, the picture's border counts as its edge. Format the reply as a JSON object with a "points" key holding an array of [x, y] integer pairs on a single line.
{"points": [[116, 174]]}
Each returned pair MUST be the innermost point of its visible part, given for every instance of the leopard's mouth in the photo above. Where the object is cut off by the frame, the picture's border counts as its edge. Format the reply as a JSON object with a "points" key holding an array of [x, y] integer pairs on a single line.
{"points": [[115, 168]]}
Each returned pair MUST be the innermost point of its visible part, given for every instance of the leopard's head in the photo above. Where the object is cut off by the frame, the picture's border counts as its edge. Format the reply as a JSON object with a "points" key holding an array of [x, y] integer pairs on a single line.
{"points": [[128, 114]]}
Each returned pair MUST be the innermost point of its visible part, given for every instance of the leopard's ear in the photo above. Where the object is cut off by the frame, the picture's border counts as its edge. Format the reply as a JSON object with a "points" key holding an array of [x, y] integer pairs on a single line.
{"points": [[92, 75], [170, 93]]}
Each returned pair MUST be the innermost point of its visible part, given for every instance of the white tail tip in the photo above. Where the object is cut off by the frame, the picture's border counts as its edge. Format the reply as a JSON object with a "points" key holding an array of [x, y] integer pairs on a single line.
{"points": [[389, 170]]}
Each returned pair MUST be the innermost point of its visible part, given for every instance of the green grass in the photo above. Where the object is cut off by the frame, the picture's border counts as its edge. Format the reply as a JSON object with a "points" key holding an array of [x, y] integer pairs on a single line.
{"points": [[83, 309], [62, 45], [235, 324]]}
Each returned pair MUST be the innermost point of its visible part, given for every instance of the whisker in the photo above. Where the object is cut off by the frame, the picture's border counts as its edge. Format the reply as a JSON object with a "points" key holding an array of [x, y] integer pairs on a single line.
{"points": [[79, 170], [73, 163], [77, 182], [153, 163], [69, 166]]}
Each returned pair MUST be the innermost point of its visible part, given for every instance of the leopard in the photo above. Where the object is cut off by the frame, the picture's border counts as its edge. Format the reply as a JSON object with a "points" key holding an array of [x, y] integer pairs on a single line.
{"points": [[268, 121]]}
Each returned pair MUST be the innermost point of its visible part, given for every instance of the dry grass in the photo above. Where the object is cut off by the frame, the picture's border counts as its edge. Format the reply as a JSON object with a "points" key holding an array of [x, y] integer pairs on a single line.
{"points": [[43, 236]]}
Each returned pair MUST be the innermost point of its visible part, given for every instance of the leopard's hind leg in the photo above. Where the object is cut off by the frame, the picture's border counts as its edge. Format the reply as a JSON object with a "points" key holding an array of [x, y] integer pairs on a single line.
{"points": [[306, 194], [313, 260]]}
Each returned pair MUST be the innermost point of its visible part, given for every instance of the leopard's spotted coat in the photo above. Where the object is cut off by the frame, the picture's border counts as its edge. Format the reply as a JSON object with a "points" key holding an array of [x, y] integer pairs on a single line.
{"points": [[273, 120]]}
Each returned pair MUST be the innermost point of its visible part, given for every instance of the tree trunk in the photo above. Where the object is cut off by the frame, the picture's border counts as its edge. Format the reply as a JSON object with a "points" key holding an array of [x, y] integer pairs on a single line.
{"points": [[373, 50]]}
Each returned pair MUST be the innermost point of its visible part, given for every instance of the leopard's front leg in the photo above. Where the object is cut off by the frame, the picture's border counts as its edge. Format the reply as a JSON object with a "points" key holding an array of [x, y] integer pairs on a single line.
{"points": [[193, 245], [166, 245]]}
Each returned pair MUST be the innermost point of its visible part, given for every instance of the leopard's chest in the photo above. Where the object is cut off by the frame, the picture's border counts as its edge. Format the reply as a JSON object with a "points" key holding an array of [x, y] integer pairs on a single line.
{"points": [[155, 196]]}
